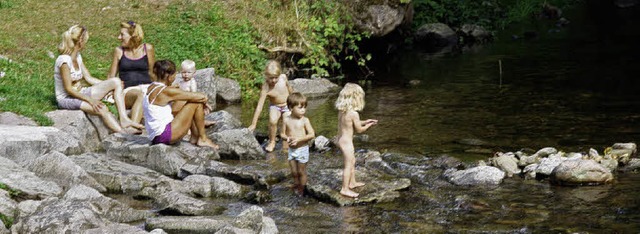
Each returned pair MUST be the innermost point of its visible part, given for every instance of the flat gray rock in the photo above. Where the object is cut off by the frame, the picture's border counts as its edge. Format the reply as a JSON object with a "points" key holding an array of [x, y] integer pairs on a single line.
{"points": [[10, 118], [27, 183], [326, 184]]}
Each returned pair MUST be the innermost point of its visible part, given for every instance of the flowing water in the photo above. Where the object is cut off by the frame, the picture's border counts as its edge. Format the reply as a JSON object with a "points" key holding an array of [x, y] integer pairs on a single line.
{"points": [[572, 88]]}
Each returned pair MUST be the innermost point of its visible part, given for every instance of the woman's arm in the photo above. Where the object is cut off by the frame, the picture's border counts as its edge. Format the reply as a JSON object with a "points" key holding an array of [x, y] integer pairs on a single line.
{"points": [[256, 113], [113, 69], [175, 94], [151, 58], [87, 75], [65, 73]]}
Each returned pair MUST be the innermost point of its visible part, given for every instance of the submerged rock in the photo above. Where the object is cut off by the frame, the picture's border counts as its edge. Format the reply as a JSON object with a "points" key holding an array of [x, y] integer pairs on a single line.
{"points": [[325, 185]]}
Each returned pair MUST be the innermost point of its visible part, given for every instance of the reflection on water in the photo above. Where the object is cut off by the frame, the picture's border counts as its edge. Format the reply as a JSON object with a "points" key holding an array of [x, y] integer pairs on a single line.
{"points": [[575, 89]]}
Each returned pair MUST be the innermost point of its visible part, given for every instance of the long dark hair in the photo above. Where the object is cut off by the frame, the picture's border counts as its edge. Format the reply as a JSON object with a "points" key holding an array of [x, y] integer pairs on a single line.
{"points": [[163, 69]]}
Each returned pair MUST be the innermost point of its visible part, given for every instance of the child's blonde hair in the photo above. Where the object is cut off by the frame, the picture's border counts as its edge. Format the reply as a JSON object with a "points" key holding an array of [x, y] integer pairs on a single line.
{"points": [[272, 69], [188, 65], [71, 37], [135, 30], [296, 99], [351, 98]]}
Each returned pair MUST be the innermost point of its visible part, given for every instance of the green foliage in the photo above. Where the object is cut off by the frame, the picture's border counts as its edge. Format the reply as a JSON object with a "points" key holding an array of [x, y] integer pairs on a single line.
{"points": [[330, 37], [6, 4], [8, 221], [26, 93], [491, 14], [211, 40], [12, 192]]}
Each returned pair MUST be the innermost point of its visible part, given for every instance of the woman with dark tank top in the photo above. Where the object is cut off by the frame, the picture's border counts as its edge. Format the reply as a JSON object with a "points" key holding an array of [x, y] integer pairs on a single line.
{"points": [[132, 63]]}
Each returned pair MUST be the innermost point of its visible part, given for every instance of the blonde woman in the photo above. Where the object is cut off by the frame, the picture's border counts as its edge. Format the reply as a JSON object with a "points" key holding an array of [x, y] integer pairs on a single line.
{"points": [[349, 102], [132, 63], [70, 71]]}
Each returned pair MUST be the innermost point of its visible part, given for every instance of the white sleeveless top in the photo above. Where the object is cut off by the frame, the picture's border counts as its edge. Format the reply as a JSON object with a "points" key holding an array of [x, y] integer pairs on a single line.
{"points": [[75, 75], [156, 117]]}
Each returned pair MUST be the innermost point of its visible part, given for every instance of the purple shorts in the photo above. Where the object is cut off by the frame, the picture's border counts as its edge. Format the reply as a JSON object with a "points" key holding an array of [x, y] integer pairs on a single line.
{"points": [[71, 103], [164, 138]]}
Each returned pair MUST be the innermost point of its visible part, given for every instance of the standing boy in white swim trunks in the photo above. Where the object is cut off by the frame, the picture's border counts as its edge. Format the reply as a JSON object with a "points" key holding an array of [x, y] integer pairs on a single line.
{"points": [[276, 87], [297, 130]]}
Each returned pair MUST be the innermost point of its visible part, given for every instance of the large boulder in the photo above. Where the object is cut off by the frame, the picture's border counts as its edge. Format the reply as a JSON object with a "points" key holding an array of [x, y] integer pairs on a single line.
{"points": [[313, 87], [117, 176], [166, 159], [576, 172], [8, 206], [206, 81], [325, 185], [80, 209], [257, 173], [76, 124], [481, 175], [238, 144], [250, 220], [175, 202], [223, 121], [27, 183], [23, 144], [57, 167], [380, 19], [436, 35], [507, 162], [474, 33], [547, 165], [10, 118], [228, 90], [206, 186]]}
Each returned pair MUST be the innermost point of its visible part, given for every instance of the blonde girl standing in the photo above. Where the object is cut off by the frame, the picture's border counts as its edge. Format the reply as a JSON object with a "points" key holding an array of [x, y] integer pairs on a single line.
{"points": [[350, 101]]}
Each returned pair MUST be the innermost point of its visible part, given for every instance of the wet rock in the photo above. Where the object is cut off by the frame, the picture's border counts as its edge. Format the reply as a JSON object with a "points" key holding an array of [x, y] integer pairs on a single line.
{"points": [[525, 159], [27, 183], [380, 19], [544, 152], [321, 144], [224, 121], [206, 186], [574, 172], [507, 162], [173, 202], [325, 185], [251, 219], [625, 3], [547, 165], [234, 230], [445, 162], [482, 175], [119, 228], [228, 90], [436, 35], [117, 176], [10, 118], [465, 202], [610, 164], [634, 165], [313, 87], [260, 174], [530, 171], [258, 197], [474, 33], [76, 124], [82, 208], [57, 167]]}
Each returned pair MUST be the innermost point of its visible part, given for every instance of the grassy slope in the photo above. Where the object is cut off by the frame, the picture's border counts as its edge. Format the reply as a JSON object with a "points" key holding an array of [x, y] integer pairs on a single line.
{"points": [[31, 31]]}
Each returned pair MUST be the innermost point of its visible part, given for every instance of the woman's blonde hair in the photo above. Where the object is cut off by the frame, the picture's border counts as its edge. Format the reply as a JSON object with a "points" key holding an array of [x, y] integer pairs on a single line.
{"points": [[135, 30], [351, 97], [272, 69], [71, 37]]}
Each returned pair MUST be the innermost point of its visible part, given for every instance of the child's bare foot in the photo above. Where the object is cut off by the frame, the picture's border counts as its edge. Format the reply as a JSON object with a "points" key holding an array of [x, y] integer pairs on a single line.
{"points": [[270, 146], [356, 184], [348, 193], [207, 142], [193, 140], [208, 123]]}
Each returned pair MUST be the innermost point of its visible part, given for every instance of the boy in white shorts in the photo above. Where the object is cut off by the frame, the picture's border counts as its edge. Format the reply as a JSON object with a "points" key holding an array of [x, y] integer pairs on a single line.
{"points": [[297, 130]]}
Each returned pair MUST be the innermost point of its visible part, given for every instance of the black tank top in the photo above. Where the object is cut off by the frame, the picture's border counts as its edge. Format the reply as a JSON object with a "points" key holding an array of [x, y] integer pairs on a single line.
{"points": [[134, 71]]}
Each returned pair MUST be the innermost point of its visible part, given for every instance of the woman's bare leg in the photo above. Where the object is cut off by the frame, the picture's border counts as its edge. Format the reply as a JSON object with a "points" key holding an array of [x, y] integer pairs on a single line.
{"points": [[99, 90], [133, 100], [191, 113], [104, 114]]}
